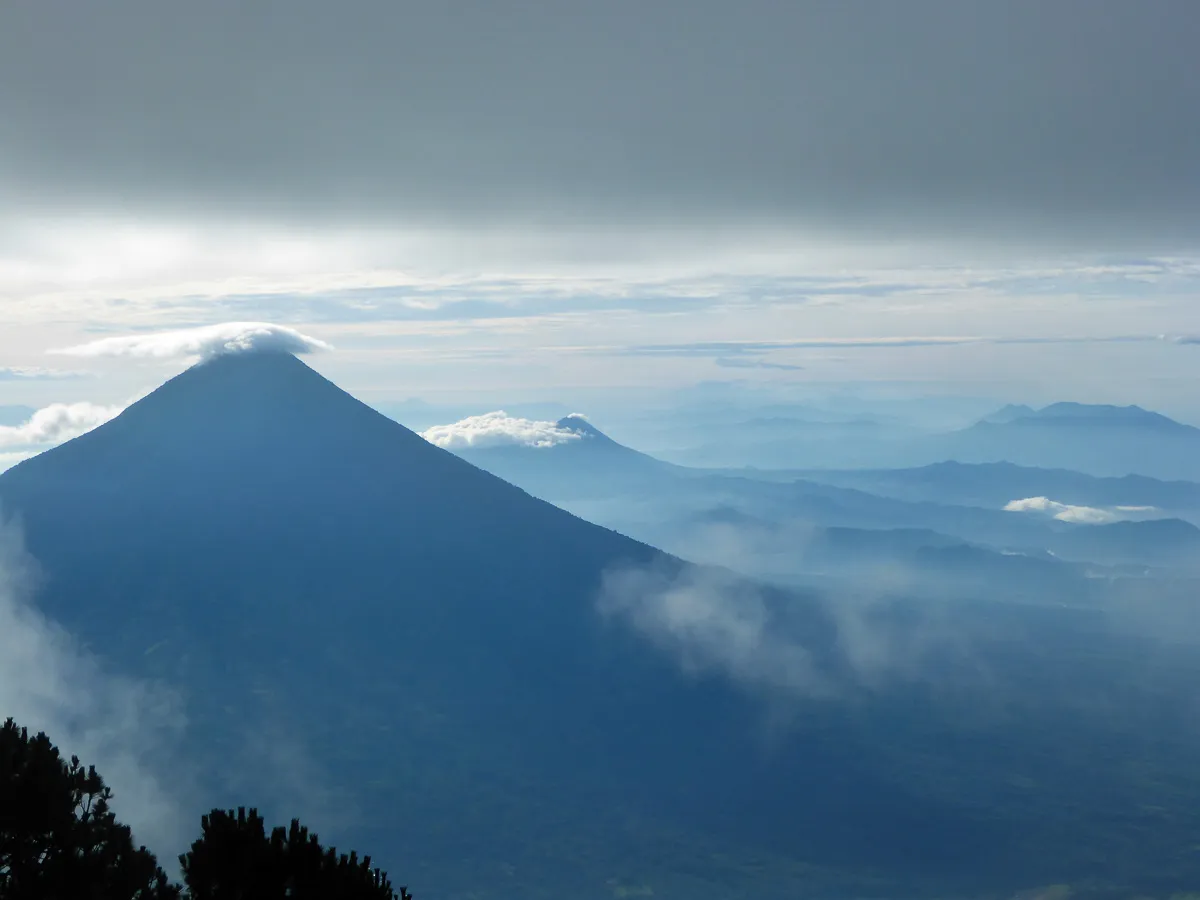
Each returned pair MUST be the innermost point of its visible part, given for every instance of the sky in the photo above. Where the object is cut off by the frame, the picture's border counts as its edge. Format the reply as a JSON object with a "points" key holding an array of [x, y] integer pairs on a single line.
{"points": [[499, 202]]}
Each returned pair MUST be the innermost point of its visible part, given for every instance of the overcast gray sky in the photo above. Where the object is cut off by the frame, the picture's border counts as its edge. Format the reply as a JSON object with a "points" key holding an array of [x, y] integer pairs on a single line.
{"points": [[506, 179], [1076, 114]]}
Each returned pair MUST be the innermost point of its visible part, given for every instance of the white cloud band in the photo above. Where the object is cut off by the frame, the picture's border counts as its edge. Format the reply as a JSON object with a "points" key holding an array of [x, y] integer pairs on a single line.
{"points": [[498, 429], [1064, 512], [205, 341]]}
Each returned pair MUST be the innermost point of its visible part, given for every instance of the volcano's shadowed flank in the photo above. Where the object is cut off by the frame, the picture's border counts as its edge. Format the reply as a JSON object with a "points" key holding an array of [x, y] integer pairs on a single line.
{"points": [[406, 650]]}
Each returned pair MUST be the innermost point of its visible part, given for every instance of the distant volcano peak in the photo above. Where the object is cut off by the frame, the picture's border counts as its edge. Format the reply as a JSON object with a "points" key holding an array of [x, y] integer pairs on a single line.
{"points": [[578, 423]]}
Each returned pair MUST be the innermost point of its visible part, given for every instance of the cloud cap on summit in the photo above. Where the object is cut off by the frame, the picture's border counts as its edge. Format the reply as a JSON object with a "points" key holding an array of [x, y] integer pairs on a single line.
{"points": [[206, 342]]}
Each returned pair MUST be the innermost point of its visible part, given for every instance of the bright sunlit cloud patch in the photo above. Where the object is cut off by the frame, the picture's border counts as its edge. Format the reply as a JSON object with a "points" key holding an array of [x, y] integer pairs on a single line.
{"points": [[55, 424], [1066, 512], [205, 342], [499, 429]]}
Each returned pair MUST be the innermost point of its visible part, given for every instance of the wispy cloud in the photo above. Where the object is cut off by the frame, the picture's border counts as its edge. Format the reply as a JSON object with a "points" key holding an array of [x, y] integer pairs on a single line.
{"points": [[497, 429], [712, 621], [56, 423], [205, 341], [37, 373], [126, 728]]}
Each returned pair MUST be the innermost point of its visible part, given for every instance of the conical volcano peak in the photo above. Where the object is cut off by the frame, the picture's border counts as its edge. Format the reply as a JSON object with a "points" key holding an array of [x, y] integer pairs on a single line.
{"points": [[578, 423], [262, 410], [265, 382]]}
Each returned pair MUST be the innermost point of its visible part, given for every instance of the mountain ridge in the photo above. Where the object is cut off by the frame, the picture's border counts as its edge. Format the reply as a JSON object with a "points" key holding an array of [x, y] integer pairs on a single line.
{"points": [[1084, 413]]}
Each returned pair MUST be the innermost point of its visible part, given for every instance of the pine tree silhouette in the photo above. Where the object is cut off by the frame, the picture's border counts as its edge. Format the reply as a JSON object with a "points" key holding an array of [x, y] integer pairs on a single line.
{"points": [[235, 859], [60, 841], [58, 838]]}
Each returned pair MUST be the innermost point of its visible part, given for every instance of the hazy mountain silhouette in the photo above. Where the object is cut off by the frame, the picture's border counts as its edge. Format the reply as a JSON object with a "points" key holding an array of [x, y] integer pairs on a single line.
{"points": [[1096, 439], [635, 493], [995, 484], [1162, 542], [927, 563], [1009, 413], [593, 465], [1104, 415], [367, 623]]}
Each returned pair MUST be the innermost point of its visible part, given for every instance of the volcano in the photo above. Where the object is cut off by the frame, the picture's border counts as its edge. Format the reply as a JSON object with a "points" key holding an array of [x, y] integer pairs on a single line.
{"points": [[590, 466], [411, 649], [421, 635]]}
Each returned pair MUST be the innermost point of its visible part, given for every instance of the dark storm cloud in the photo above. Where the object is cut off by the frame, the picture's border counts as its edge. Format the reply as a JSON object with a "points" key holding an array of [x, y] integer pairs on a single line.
{"points": [[1017, 117]]}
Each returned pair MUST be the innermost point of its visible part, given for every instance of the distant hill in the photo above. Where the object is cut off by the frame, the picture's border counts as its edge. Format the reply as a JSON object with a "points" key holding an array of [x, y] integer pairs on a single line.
{"points": [[1163, 542], [592, 465], [637, 494], [995, 484], [959, 503], [1009, 413], [891, 560], [1104, 415], [1095, 439]]}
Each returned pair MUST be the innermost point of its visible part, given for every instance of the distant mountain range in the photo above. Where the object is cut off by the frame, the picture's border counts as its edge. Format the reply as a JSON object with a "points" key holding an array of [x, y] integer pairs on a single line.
{"points": [[891, 560], [666, 504], [1167, 542], [496, 697], [996, 484], [1097, 440]]}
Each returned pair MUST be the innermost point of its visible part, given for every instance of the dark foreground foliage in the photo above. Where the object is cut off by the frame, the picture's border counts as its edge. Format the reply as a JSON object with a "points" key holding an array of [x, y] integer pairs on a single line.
{"points": [[60, 841], [235, 858], [58, 837]]}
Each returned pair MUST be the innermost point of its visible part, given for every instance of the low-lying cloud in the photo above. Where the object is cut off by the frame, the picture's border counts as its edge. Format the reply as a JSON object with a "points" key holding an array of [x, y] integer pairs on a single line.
{"points": [[55, 424], [205, 342], [711, 621], [125, 727], [1066, 512], [499, 429], [714, 621]]}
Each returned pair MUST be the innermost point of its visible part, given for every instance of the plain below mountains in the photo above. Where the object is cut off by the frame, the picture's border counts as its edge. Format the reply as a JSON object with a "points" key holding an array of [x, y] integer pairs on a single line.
{"points": [[496, 698]]}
